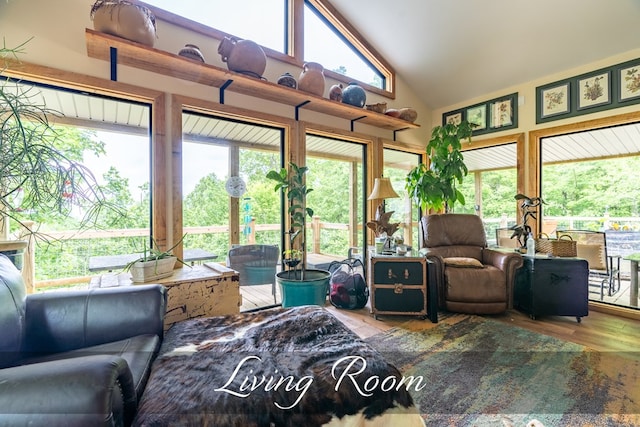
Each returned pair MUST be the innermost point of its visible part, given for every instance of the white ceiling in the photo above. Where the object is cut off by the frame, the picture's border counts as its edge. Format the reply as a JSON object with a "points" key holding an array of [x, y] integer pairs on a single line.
{"points": [[449, 51]]}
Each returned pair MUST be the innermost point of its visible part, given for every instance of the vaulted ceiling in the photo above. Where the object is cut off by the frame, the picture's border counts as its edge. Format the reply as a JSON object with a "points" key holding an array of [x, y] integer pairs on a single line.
{"points": [[449, 51]]}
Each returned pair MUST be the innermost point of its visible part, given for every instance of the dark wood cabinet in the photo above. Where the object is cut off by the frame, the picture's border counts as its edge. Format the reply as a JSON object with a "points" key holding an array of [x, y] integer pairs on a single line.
{"points": [[401, 285], [553, 286]]}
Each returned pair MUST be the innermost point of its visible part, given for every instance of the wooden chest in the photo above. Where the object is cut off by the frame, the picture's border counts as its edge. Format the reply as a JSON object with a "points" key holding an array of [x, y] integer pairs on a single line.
{"points": [[398, 285], [553, 286], [198, 291]]}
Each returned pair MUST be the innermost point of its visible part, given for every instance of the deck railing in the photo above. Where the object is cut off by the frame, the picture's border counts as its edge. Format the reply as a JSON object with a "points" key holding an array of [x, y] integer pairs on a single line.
{"points": [[623, 234]]}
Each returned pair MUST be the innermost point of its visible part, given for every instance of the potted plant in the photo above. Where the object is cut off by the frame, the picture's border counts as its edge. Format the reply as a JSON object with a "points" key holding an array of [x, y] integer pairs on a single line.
{"points": [[35, 173], [434, 186], [153, 264], [298, 285]]}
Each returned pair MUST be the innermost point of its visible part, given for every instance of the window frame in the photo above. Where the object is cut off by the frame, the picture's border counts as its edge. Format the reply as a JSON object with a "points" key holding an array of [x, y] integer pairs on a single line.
{"points": [[294, 40]]}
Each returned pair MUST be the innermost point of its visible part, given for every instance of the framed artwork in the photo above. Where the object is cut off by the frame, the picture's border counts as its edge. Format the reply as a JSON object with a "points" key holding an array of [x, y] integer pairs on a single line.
{"points": [[477, 116], [554, 100], [629, 78], [454, 117], [501, 113], [594, 90]]}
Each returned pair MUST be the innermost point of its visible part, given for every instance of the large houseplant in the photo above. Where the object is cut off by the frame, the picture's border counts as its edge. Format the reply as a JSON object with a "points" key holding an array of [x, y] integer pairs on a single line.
{"points": [[298, 285], [434, 186]]}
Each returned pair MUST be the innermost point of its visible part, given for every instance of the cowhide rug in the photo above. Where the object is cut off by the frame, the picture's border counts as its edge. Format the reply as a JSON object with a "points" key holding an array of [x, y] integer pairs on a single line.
{"points": [[282, 367]]}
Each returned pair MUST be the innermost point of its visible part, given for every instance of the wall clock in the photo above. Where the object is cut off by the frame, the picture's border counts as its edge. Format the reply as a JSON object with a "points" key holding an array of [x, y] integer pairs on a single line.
{"points": [[235, 186]]}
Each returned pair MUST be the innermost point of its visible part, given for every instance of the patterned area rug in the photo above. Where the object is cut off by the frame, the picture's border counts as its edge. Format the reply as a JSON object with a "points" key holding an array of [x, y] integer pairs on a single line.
{"points": [[480, 371]]}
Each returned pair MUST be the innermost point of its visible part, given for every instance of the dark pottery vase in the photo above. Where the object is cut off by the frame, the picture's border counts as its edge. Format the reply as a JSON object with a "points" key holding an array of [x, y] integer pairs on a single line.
{"points": [[287, 80], [354, 95], [243, 56], [191, 51]]}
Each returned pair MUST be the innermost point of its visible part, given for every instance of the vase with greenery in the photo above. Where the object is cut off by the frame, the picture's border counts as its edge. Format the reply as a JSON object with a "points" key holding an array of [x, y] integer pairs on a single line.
{"points": [[434, 187], [153, 263], [298, 285], [36, 176]]}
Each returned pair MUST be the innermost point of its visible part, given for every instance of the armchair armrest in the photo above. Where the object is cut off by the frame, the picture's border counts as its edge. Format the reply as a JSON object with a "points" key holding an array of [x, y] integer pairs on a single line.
{"points": [[62, 321], [91, 390], [507, 261], [437, 263]]}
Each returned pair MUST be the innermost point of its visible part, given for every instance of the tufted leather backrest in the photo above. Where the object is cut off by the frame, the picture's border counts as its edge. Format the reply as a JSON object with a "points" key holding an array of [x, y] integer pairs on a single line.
{"points": [[452, 230], [12, 309]]}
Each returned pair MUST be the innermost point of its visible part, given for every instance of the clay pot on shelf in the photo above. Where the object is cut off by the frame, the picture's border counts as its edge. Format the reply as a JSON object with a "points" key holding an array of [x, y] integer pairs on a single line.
{"points": [[191, 51], [124, 19], [335, 93], [243, 56], [380, 107], [287, 80], [312, 79], [354, 95], [408, 114]]}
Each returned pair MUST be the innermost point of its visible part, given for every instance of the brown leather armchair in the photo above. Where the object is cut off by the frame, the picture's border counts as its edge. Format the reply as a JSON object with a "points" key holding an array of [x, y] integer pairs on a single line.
{"points": [[471, 278]]}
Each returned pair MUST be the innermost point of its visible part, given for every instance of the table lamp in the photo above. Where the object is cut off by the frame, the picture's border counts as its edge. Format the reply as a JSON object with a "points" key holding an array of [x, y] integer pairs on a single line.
{"points": [[382, 189]]}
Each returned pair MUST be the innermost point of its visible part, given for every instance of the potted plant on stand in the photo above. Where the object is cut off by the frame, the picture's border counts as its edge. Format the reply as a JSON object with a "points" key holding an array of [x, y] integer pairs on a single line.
{"points": [[433, 187], [153, 264], [298, 285]]}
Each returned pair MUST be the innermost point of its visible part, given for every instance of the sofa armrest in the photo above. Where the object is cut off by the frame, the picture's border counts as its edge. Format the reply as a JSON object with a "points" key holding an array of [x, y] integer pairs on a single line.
{"points": [[507, 261], [82, 391], [63, 321]]}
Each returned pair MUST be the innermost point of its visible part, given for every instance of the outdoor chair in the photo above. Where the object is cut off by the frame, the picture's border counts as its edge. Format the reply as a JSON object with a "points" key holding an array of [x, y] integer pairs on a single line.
{"points": [[604, 269], [504, 240], [257, 264]]}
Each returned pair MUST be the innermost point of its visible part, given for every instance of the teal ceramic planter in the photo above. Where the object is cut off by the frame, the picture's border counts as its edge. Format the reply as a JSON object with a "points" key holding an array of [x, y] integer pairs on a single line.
{"points": [[310, 291]]}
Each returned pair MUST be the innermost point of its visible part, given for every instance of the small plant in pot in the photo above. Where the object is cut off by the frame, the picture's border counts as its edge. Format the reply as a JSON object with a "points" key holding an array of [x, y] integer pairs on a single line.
{"points": [[153, 264], [434, 186], [298, 285]]}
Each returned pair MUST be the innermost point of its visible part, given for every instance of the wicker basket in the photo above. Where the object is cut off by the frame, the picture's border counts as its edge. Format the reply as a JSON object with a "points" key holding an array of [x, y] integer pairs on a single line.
{"points": [[563, 246]]}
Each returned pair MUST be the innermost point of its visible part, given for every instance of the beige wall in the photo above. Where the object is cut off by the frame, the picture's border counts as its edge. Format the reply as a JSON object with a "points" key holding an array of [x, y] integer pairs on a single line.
{"points": [[58, 28]]}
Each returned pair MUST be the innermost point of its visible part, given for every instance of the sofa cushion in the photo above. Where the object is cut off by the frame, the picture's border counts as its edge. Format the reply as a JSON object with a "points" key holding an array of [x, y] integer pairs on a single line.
{"points": [[138, 351], [463, 262]]}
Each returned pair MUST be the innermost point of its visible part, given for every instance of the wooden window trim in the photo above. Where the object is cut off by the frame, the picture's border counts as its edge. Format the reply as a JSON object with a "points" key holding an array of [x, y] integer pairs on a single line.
{"points": [[295, 41]]}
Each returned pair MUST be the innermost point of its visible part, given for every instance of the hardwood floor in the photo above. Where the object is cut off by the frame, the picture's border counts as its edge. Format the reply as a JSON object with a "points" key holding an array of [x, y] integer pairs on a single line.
{"points": [[599, 330]]}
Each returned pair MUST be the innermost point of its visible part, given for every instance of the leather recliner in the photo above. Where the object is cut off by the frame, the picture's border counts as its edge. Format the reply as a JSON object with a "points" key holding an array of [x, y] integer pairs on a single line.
{"points": [[471, 278], [75, 358]]}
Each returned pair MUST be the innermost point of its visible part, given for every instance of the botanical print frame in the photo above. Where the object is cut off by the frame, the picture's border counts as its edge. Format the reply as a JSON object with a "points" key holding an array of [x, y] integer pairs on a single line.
{"points": [[629, 78], [554, 100], [454, 117], [477, 116], [594, 90], [501, 113]]}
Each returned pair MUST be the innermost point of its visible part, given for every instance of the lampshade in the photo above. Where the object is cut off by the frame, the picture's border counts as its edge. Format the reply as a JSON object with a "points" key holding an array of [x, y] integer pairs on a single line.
{"points": [[382, 189]]}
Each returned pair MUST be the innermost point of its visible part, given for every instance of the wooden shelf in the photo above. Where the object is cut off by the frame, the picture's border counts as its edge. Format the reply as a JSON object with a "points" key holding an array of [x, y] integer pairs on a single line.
{"points": [[143, 57]]}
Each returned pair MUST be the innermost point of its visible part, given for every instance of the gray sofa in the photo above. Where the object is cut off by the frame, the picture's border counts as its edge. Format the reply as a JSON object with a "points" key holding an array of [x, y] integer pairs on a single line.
{"points": [[75, 358]]}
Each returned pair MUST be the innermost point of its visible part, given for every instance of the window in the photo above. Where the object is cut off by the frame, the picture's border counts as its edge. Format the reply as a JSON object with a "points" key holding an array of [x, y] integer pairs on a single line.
{"points": [[322, 37], [397, 165], [336, 175], [490, 186], [245, 20], [110, 137], [323, 43]]}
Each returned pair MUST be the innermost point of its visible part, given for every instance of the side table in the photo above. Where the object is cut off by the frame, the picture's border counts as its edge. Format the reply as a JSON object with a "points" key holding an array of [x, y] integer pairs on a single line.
{"points": [[402, 285], [556, 286]]}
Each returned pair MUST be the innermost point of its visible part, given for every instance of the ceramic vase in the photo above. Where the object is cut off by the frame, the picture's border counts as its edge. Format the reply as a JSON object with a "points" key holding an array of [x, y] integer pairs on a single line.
{"points": [[354, 95], [312, 79], [191, 51], [287, 80], [243, 56], [124, 19], [335, 93]]}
